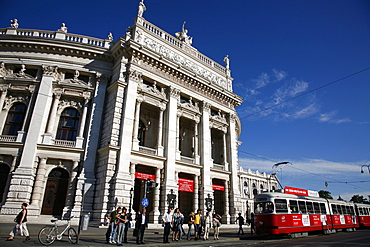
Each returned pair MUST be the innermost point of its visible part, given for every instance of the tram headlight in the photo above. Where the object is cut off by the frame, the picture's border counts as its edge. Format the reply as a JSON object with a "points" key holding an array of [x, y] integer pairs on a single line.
{"points": [[261, 223]]}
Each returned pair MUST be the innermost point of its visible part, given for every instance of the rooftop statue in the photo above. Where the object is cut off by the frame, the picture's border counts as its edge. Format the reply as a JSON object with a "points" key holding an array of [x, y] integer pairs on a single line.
{"points": [[63, 28], [142, 8], [227, 62], [183, 36], [14, 23], [110, 37]]}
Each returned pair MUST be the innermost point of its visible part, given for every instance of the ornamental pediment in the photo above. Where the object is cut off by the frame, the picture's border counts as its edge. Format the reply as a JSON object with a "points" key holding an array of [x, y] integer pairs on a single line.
{"points": [[218, 122], [151, 94], [189, 110]]}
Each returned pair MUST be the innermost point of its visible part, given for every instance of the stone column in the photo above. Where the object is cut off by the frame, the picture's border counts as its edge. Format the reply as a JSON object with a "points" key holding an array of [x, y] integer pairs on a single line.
{"points": [[206, 157], [169, 180], [71, 190], [227, 206], [48, 135], [160, 132], [232, 148], [21, 133], [38, 190], [4, 91], [157, 213], [196, 143], [80, 137], [225, 163], [196, 193], [23, 177], [135, 140], [178, 152]]}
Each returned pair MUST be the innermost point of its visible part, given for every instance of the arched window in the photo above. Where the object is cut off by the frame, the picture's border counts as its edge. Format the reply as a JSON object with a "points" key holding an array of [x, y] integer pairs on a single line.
{"points": [[261, 188], [4, 172], [68, 125], [255, 192], [15, 119]]}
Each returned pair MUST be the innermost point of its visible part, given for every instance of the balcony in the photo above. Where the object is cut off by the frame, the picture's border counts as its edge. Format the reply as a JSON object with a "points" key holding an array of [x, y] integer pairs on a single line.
{"points": [[6, 138], [64, 143]]}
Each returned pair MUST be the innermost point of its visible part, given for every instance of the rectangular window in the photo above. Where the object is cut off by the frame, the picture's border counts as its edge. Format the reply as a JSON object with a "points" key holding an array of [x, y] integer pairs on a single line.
{"points": [[339, 207], [316, 207], [281, 206], [351, 211], [334, 208], [322, 208], [293, 206], [360, 210], [302, 207], [309, 207]]}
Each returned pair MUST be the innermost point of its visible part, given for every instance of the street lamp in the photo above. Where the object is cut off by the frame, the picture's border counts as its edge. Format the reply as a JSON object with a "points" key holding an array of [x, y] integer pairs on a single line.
{"points": [[368, 167], [131, 194]]}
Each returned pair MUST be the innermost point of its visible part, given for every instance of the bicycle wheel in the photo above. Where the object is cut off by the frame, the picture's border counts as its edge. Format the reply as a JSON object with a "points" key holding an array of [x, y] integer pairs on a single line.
{"points": [[72, 235], [47, 235]]}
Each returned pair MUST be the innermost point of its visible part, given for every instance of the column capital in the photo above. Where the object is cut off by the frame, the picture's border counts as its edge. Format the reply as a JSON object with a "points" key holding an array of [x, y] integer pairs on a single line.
{"points": [[50, 71], [133, 75], [174, 92]]}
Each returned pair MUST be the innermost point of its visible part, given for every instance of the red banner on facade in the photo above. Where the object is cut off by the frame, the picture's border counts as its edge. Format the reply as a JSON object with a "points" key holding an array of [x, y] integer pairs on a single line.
{"points": [[145, 176], [218, 187], [295, 191], [186, 185]]}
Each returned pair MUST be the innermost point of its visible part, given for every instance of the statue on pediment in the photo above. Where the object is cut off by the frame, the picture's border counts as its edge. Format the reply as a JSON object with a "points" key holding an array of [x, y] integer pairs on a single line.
{"points": [[14, 23], [183, 35], [227, 62], [3, 70], [142, 8]]}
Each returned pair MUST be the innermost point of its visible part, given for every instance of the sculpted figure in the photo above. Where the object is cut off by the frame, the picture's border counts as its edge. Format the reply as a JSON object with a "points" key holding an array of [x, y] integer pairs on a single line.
{"points": [[110, 37], [14, 23], [142, 8], [183, 36], [63, 28], [227, 62]]}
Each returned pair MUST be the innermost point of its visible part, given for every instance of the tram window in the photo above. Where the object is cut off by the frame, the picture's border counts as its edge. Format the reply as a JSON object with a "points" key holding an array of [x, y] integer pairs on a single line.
{"points": [[264, 207], [334, 208], [322, 208], [351, 211], [293, 206], [339, 207], [316, 207], [367, 211], [345, 209], [309, 207], [361, 212], [302, 207], [281, 206]]}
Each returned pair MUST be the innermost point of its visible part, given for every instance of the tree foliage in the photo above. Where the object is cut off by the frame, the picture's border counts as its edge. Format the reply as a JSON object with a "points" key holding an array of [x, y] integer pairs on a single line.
{"points": [[358, 199], [325, 194]]}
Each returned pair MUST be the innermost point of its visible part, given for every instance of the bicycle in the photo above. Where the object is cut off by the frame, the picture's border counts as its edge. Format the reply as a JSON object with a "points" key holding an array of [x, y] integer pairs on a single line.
{"points": [[49, 234]]}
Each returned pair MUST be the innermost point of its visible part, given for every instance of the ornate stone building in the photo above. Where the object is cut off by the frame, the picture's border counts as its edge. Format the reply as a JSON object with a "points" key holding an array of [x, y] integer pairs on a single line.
{"points": [[85, 122]]}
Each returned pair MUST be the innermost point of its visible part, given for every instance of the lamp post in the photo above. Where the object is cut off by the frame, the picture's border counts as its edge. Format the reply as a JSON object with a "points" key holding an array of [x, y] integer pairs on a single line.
{"points": [[279, 167], [368, 168], [130, 205]]}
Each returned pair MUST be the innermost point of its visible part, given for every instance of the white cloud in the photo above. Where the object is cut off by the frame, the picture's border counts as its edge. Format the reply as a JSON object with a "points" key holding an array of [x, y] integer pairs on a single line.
{"points": [[279, 74], [329, 117]]}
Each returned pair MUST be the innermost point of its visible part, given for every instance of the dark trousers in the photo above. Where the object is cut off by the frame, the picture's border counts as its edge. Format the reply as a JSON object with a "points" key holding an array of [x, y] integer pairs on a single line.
{"points": [[125, 233], [107, 234], [241, 229], [140, 234], [167, 230]]}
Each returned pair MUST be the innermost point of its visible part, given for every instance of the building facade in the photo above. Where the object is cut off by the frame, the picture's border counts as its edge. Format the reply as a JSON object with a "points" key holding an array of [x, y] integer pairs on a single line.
{"points": [[86, 122]]}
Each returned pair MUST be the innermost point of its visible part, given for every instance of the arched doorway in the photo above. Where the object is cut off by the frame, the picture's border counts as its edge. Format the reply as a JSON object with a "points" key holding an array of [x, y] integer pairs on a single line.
{"points": [[55, 192], [4, 172]]}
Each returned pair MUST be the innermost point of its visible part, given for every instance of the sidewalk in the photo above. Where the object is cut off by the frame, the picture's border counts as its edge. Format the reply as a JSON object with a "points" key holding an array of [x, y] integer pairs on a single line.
{"points": [[95, 236]]}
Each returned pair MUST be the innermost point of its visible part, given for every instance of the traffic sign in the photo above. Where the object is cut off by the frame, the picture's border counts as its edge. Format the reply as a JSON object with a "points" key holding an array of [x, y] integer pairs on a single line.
{"points": [[145, 202]]}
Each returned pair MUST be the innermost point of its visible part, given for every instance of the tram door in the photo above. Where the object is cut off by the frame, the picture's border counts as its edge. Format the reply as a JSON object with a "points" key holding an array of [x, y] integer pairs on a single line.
{"points": [[55, 192]]}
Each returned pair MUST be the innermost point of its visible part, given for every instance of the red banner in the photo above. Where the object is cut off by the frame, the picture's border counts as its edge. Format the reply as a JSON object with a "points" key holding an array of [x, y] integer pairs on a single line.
{"points": [[145, 176], [295, 191], [186, 185], [218, 187]]}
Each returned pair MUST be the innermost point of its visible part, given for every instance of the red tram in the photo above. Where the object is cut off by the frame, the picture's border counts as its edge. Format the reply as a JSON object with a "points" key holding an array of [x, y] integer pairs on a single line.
{"points": [[296, 212], [363, 214]]}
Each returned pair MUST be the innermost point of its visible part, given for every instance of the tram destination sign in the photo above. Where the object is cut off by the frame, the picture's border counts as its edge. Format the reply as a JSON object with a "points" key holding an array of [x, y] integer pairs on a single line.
{"points": [[300, 192]]}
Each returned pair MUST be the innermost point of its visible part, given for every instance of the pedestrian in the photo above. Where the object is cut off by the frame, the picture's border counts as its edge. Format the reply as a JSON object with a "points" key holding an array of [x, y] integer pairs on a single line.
{"points": [[241, 223], [113, 221], [167, 221], [176, 225], [252, 223], [197, 223], [120, 225], [141, 225], [181, 228], [216, 225], [127, 225], [21, 226], [207, 225], [190, 224]]}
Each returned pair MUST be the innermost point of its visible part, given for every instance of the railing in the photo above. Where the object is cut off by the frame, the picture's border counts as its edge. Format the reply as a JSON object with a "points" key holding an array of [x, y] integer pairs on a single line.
{"points": [[218, 167], [146, 150], [187, 159], [53, 35], [5, 138], [64, 143], [173, 40]]}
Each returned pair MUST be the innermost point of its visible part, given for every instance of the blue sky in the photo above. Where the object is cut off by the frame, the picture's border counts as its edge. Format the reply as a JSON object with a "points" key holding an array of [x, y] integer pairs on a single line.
{"points": [[278, 50]]}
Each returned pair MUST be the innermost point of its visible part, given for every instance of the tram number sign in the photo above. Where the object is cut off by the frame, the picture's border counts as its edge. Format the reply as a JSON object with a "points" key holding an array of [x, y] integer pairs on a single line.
{"points": [[145, 202]]}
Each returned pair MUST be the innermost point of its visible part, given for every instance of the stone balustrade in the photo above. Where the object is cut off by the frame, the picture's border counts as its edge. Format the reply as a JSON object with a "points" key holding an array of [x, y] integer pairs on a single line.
{"points": [[57, 35], [6, 138]]}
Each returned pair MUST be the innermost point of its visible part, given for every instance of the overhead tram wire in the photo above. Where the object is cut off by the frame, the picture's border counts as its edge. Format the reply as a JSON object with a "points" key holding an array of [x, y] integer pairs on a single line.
{"points": [[327, 179], [308, 92]]}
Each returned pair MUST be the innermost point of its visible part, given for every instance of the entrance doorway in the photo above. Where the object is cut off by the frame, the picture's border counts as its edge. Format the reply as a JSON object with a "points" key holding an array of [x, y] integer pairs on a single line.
{"points": [[4, 172], [219, 196], [55, 192]]}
